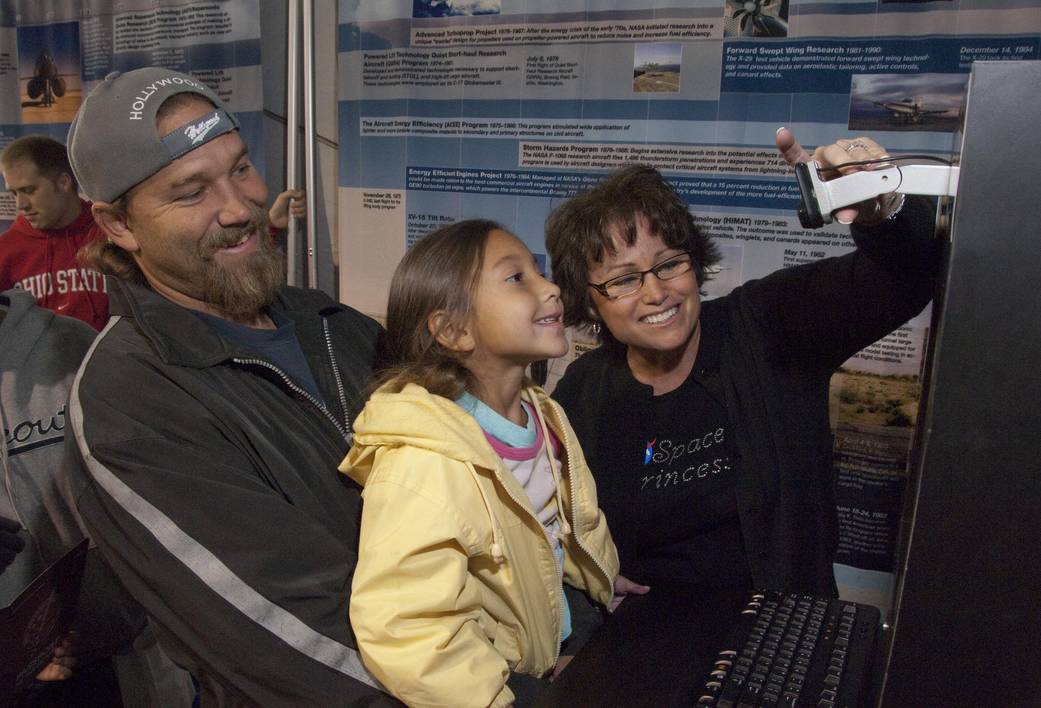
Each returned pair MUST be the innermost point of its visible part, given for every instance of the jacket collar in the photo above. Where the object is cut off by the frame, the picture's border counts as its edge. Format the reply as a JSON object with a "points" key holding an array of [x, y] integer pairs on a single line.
{"points": [[182, 339], [413, 416]]}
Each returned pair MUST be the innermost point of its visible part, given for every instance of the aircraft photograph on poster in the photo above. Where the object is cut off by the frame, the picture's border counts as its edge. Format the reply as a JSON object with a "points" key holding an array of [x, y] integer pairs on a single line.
{"points": [[755, 18], [926, 102], [725, 275], [50, 85], [453, 8], [46, 82], [656, 67], [909, 111]]}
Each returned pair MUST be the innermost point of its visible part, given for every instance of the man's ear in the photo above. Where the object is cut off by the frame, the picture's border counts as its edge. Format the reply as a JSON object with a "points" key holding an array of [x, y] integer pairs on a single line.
{"points": [[116, 225], [450, 334], [65, 183]]}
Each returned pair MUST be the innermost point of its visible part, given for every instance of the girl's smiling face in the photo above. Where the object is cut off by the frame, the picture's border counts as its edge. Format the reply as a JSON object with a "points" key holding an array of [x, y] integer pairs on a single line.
{"points": [[516, 317]]}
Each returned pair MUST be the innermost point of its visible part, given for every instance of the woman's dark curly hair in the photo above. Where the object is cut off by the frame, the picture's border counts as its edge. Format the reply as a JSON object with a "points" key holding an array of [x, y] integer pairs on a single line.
{"points": [[581, 230]]}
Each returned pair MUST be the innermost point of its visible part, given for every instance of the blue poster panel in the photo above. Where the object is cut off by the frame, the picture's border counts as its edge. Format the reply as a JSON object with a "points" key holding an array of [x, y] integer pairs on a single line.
{"points": [[52, 53], [450, 109]]}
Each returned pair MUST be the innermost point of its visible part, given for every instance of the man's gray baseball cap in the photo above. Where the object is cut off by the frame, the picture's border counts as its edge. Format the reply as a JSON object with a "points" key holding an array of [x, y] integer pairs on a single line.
{"points": [[113, 142]]}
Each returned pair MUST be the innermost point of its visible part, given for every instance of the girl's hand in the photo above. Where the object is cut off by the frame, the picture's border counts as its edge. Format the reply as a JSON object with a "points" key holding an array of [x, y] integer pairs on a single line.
{"points": [[63, 660], [562, 663], [290, 202], [622, 587]]}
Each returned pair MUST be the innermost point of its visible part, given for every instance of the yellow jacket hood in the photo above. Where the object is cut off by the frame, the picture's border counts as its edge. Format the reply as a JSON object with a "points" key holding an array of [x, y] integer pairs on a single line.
{"points": [[415, 418]]}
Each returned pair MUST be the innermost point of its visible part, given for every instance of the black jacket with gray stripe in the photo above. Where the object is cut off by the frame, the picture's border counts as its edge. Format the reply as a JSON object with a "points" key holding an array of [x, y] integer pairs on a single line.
{"points": [[208, 480]]}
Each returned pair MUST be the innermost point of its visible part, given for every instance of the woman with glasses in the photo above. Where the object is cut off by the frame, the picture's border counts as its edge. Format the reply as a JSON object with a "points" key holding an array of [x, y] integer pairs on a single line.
{"points": [[706, 423]]}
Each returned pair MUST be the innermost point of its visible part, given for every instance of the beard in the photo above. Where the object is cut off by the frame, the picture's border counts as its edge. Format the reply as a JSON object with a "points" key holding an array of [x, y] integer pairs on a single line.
{"points": [[240, 291]]}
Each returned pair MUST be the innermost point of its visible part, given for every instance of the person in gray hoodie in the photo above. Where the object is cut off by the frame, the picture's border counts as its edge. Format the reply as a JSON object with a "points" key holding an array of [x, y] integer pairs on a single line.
{"points": [[40, 353]]}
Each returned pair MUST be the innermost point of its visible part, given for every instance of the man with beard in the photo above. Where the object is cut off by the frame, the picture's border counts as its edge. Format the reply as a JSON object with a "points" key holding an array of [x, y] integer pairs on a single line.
{"points": [[210, 414]]}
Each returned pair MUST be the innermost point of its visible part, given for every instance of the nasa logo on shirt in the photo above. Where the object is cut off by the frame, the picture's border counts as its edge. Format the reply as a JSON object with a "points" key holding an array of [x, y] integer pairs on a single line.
{"points": [[648, 453]]}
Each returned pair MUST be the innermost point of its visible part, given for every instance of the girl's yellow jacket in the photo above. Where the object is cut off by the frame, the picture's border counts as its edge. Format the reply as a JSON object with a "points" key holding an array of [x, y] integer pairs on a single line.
{"points": [[456, 583]]}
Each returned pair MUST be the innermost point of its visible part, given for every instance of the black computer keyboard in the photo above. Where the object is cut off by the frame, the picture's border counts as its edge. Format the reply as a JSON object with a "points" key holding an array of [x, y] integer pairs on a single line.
{"points": [[789, 650]]}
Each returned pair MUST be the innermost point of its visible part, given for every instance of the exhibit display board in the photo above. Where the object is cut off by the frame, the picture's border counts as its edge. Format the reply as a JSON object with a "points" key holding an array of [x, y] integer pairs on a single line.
{"points": [[450, 109], [968, 587], [53, 52]]}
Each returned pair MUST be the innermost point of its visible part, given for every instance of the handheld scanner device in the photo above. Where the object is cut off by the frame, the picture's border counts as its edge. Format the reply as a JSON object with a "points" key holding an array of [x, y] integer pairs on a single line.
{"points": [[820, 198]]}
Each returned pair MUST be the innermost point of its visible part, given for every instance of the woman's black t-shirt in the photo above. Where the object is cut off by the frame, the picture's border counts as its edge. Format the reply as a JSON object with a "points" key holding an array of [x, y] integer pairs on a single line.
{"points": [[685, 474]]}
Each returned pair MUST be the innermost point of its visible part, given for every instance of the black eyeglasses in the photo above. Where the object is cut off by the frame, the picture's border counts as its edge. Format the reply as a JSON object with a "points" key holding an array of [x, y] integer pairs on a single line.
{"points": [[629, 283]]}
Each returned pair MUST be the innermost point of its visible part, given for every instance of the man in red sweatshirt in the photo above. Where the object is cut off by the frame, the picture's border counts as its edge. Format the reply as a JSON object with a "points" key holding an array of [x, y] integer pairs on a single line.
{"points": [[38, 252]]}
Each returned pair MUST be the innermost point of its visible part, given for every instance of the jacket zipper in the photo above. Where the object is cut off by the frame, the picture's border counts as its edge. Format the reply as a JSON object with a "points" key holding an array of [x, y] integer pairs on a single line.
{"points": [[574, 525], [560, 571], [563, 599], [574, 534], [336, 374], [345, 428]]}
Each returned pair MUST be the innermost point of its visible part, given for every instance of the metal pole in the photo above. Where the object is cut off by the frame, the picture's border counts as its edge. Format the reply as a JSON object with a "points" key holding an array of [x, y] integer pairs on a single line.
{"points": [[292, 132], [309, 144]]}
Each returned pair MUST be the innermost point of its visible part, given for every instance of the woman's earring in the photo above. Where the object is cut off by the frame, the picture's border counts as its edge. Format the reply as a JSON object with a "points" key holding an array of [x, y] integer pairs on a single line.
{"points": [[596, 329]]}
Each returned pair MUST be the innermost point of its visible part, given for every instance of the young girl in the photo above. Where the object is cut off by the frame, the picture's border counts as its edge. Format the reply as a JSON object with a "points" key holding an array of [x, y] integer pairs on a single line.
{"points": [[477, 499]]}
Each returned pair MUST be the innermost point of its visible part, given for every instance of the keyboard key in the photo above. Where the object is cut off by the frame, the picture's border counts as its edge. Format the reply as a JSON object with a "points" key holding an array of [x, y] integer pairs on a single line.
{"points": [[731, 693], [750, 696]]}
